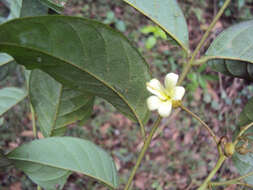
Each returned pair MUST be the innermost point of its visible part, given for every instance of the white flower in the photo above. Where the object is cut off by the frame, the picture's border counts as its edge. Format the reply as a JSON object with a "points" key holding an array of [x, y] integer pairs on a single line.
{"points": [[164, 97]]}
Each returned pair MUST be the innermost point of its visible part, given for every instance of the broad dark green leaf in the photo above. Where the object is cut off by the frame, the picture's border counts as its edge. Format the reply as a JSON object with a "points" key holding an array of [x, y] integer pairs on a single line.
{"points": [[83, 55], [56, 106], [15, 9], [21, 8], [168, 15], [49, 168], [9, 97], [57, 5], [232, 51], [244, 163]]}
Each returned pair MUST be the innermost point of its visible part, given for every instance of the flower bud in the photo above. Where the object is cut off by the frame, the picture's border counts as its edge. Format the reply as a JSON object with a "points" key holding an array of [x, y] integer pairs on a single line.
{"points": [[229, 149]]}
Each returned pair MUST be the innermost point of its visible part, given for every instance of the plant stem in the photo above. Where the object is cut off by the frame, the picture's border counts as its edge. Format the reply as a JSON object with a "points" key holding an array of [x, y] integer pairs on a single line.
{"points": [[143, 151], [34, 129], [143, 132], [219, 163], [232, 181], [33, 121], [202, 41], [202, 122], [243, 130]]}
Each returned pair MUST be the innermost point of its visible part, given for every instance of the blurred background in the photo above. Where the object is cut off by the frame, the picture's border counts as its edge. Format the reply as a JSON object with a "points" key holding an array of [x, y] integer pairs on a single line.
{"points": [[182, 153]]}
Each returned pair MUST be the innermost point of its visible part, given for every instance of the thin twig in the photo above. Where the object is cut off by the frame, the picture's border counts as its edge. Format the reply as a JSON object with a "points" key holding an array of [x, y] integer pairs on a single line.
{"points": [[202, 122], [233, 181], [202, 41], [243, 130]]}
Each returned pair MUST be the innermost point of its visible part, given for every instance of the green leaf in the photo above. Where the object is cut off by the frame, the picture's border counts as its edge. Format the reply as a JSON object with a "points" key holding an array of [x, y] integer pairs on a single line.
{"points": [[168, 15], [5, 59], [120, 25], [49, 168], [83, 55], [33, 8], [202, 82], [4, 162], [148, 29], [58, 7], [151, 42], [14, 7], [56, 106], [232, 51], [160, 33], [248, 109], [244, 163], [4, 70], [246, 116], [21, 8], [9, 97]]}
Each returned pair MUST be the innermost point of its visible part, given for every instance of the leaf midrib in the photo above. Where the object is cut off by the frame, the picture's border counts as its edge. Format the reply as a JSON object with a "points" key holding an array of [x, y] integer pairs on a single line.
{"points": [[62, 168], [82, 69]]}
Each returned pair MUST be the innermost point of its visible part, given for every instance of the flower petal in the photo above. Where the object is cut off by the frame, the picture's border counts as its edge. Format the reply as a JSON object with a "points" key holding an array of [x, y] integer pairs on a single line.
{"points": [[170, 81], [155, 87], [178, 93], [153, 103], [165, 108]]}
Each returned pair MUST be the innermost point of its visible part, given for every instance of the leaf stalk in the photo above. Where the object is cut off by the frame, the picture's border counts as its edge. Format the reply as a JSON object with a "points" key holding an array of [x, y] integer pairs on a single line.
{"points": [[202, 41], [215, 138], [243, 130], [233, 181]]}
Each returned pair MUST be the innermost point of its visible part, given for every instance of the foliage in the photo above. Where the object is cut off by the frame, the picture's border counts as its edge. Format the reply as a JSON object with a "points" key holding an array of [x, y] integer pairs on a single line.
{"points": [[156, 32]]}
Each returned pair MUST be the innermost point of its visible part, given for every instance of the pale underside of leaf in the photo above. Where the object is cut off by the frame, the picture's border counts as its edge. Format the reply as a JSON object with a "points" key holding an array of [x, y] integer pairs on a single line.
{"points": [[56, 106], [58, 7], [244, 163], [9, 97], [234, 45], [101, 61], [33, 8], [5, 59], [75, 155], [168, 15], [14, 7], [47, 177]]}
